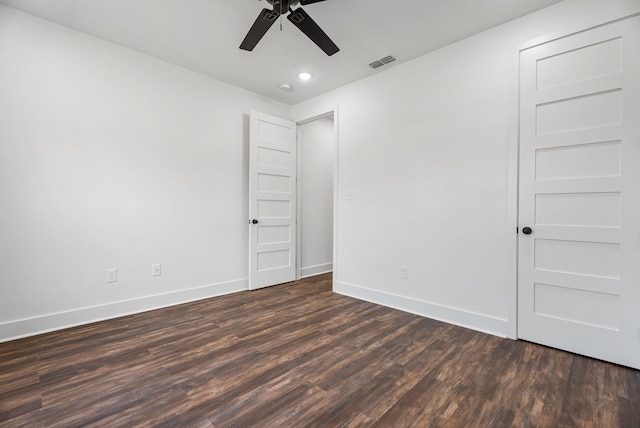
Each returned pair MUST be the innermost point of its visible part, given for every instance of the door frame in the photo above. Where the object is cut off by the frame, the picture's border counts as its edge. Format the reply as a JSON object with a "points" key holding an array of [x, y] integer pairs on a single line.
{"points": [[299, 218], [588, 22], [301, 119]]}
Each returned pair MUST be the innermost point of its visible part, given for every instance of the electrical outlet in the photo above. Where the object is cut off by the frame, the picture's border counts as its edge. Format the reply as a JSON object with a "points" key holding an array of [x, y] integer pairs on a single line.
{"points": [[112, 275], [404, 272], [156, 270]]}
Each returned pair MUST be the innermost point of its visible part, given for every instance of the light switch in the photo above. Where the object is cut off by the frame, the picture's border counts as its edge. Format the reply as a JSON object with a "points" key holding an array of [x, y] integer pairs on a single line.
{"points": [[351, 195]]}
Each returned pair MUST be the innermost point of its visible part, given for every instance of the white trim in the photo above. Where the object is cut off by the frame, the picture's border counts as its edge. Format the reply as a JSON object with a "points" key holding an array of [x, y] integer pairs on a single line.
{"points": [[460, 317], [316, 270], [336, 129], [299, 200], [513, 171], [43, 324], [592, 23]]}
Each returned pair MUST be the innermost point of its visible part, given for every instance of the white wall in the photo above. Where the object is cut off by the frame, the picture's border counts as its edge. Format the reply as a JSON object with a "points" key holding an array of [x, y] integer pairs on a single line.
{"points": [[109, 158], [112, 159], [316, 143], [429, 149]]}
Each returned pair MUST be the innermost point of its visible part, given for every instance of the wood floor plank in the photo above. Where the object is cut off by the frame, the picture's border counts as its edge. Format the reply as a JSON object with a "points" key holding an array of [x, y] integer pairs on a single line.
{"points": [[300, 355], [19, 377], [12, 407], [313, 402], [357, 395], [251, 410], [427, 397]]}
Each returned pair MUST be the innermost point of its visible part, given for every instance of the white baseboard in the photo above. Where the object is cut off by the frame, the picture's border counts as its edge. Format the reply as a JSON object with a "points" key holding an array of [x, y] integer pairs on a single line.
{"points": [[43, 324], [315, 270], [456, 316]]}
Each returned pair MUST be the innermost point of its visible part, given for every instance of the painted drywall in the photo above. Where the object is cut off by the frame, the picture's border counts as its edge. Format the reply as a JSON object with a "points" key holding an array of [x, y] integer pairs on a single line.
{"points": [[427, 154], [109, 158], [316, 143], [113, 159]]}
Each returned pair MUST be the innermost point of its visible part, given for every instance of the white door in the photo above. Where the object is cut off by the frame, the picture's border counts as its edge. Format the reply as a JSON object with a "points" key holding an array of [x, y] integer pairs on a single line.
{"points": [[579, 268], [272, 200]]}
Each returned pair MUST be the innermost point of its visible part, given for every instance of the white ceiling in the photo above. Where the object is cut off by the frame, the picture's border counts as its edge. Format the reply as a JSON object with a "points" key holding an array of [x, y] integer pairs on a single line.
{"points": [[204, 35]]}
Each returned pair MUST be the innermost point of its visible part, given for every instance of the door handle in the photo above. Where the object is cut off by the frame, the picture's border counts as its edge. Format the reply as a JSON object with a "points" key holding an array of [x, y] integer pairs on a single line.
{"points": [[254, 221], [527, 230]]}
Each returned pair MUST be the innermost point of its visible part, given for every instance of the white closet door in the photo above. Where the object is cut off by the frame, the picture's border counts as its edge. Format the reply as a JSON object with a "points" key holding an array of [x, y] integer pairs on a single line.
{"points": [[579, 267]]}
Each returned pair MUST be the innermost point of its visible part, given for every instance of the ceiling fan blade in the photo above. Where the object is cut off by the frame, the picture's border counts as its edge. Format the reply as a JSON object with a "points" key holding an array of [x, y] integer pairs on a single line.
{"points": [[259, 28], [308, 26], [306, 2]]}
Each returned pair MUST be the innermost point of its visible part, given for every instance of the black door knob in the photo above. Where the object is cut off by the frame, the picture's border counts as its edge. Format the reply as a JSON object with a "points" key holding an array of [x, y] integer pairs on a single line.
{"points": [[527, 230], [254, 221]]}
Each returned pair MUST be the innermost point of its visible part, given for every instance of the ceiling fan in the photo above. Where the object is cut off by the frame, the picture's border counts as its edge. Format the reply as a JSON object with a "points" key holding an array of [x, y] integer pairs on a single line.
{"points": [[298, 17]]}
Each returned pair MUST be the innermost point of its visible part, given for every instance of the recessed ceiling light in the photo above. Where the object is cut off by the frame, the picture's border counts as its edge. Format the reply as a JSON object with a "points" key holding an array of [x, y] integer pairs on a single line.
{"points": [[285, 87], [304, 76]]}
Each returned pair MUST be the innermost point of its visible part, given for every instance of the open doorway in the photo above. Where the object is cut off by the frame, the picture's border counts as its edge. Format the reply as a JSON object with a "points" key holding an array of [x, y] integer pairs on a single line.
{"points": [[316, 154]]}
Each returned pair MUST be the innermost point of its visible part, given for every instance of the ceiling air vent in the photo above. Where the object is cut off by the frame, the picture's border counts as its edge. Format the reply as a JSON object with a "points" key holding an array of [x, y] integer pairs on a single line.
{"points": [[382, 61]]}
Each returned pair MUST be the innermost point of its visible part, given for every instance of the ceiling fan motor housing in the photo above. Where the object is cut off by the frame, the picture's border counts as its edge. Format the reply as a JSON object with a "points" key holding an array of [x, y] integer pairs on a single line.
{"points": [[282, 6]]}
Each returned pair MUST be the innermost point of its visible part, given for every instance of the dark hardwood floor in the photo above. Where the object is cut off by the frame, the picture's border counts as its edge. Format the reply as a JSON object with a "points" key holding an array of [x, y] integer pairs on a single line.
{"points": [[297, 355]]}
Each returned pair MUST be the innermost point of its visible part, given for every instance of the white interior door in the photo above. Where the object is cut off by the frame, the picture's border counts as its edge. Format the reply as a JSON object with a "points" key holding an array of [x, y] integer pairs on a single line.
{"points": [[272, 200], [579, 268]]}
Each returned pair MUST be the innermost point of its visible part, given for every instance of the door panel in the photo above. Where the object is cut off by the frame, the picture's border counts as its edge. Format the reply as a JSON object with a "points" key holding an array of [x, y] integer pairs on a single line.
{"points": [[579, 271], [272, 200]]}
